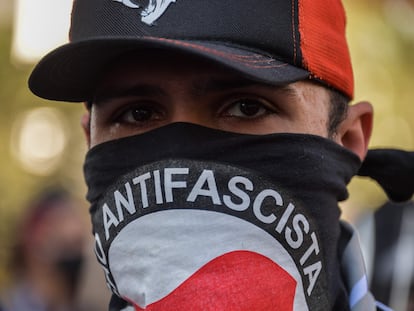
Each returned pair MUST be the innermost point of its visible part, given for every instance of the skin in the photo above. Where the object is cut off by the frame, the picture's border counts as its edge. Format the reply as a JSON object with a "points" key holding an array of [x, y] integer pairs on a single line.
{"points": [[142, 92]]}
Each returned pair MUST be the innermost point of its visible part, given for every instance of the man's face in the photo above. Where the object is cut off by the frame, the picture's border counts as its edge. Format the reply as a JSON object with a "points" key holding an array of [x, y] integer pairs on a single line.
{"points": [[140, 93]]}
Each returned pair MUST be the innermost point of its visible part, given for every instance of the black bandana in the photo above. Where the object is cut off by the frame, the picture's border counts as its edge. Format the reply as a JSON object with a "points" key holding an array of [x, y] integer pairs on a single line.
{"points": [[190, 218]]}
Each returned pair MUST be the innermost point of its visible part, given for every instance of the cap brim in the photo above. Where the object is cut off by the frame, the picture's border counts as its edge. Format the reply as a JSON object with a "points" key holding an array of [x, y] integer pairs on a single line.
{"points": [[71, 72]]}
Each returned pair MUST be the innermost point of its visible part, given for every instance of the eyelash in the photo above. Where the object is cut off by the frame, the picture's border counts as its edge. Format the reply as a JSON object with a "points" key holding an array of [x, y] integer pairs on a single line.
{"points": [[128, 108], [223, 106], [263, 103]]}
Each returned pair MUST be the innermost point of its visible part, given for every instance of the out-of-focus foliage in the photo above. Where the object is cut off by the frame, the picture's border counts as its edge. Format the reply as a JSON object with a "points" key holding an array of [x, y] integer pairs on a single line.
{"points": [[381, 35]]}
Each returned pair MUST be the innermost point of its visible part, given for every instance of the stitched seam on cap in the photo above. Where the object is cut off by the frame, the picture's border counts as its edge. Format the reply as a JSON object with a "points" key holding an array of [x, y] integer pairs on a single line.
{"points": [[293, 32]]}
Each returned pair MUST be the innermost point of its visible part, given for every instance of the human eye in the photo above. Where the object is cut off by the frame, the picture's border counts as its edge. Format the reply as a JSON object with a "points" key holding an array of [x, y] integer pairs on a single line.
{"points": [[250, 108], [138, 114]]}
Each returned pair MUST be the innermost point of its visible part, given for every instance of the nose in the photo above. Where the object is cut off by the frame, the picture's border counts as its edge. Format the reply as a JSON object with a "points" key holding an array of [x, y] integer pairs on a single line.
{"points": [[192, 111]]}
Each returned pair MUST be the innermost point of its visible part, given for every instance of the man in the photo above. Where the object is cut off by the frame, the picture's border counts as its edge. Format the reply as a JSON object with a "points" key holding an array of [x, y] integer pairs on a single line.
{"points": [[389, 253], [220, 143], [49, 255]]}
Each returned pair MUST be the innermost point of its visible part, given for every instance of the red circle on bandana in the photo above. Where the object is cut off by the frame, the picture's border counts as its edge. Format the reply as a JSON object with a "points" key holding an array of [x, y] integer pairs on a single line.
{"points": [[236, 281]]}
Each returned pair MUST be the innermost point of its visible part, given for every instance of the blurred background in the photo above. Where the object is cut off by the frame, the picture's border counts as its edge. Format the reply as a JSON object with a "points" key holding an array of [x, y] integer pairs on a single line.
{"points": [[41, 142]]}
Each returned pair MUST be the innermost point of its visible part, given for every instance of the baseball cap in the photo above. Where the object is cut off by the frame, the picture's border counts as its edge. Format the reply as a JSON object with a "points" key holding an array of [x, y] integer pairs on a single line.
{"points": [[270, 41]]}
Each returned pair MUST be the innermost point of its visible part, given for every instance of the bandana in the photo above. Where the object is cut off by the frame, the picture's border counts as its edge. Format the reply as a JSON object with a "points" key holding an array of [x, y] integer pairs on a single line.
{"points": [[190, 218], [393, 170]]}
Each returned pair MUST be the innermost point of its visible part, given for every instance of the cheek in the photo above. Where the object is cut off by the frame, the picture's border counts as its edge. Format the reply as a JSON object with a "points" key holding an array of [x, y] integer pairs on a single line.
{"points": [[102, 134], [98, 134], [319, 126], [315, 118], [313, 108], [313, 122], [100, 131], [94, 133]]}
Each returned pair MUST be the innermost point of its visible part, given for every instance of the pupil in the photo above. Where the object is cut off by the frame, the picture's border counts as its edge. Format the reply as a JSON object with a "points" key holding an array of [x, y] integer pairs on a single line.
{"points": [[141, 114], [249, 108]]}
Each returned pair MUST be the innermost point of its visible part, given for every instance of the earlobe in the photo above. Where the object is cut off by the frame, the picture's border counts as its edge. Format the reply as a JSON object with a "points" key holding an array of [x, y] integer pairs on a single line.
{"points": [[355, 131], [86, 126]]}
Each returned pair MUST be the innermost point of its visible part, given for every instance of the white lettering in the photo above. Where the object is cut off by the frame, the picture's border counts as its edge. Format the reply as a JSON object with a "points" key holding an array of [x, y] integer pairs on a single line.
{"points": [[99, 250], [297, 220], [245, 198], [158, 189], [121, 201], [268, 207], [143, 186], [285, 217], [314, 248], [257, 204], [169, 184], [211, 191], [312, 272], [109, 283], [109, 219]]}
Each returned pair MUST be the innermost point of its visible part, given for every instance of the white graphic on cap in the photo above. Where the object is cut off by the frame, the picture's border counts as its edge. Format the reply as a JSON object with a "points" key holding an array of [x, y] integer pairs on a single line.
{"points": [[151, 12]]}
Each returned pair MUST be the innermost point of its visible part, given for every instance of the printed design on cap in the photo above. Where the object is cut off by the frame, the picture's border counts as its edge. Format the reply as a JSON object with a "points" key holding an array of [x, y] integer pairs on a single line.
{"points": [[195, 235], [151, 12]]}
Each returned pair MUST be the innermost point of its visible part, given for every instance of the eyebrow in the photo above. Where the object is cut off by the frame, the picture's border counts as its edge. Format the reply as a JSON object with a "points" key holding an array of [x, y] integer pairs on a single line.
{"points": [[222, 85], [141, 89], [198, 88]]}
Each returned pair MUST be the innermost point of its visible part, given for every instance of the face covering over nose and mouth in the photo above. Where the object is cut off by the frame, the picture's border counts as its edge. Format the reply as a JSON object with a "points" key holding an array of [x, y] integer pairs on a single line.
{"points": [[190, 218]]}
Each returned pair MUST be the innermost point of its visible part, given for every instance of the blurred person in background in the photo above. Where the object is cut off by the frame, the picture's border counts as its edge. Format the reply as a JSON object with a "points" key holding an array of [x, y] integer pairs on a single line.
{"points": [[387, 236], [387, 233], [48, 255]]}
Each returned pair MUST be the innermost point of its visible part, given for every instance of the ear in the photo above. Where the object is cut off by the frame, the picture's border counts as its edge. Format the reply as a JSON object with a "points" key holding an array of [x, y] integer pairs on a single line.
{"points": [[354, 132], [86, 125]]}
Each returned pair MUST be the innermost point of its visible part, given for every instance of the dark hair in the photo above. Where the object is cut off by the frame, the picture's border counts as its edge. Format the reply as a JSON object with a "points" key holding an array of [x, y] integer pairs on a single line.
{"points": [[338, 111]]}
